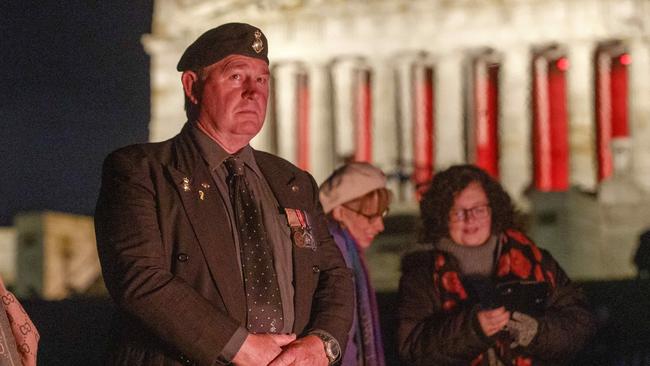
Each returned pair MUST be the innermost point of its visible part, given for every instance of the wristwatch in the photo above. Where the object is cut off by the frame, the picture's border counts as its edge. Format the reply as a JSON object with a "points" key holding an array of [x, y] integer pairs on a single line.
{"points": [[332, 348]]}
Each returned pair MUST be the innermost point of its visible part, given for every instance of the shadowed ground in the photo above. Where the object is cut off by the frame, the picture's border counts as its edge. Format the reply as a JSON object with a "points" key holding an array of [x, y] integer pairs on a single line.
{"points": [[76, 331]]}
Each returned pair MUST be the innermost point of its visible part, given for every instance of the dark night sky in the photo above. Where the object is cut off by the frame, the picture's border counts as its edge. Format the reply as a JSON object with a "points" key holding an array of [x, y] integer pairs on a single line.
{"points": [[74, 86]]}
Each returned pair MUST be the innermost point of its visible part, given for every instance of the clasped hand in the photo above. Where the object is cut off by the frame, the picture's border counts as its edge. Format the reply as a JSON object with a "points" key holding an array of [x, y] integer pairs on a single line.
{"points": [[281, 350], [522, 327]]}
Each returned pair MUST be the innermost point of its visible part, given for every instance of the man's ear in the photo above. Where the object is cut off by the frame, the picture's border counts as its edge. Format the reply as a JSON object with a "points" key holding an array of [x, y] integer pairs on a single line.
{"points": [[189, 79]]}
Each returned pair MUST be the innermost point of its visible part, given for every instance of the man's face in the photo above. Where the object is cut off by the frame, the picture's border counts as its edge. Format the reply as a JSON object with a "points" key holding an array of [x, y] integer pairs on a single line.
{"points": [[233, 100]]}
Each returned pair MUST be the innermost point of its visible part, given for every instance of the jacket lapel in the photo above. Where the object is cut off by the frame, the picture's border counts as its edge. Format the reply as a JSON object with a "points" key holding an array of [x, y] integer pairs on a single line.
{"points": [[209, 223]]}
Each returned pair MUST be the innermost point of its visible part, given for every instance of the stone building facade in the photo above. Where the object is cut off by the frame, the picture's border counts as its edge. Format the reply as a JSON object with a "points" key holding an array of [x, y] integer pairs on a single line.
{"points": [[345, 76]]}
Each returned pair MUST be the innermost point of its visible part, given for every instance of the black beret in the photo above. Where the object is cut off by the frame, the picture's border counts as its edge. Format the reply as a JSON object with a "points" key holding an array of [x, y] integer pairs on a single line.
{"points": [[222, 41]]}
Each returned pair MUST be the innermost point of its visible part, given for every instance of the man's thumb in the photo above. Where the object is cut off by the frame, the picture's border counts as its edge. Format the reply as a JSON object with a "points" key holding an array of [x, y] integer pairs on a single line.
{"points": [[284, 339]]}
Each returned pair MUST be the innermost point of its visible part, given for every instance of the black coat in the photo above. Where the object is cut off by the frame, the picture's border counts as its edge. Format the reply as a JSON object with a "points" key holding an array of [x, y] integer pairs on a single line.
{"points": [[169, 260], [429, 336]]}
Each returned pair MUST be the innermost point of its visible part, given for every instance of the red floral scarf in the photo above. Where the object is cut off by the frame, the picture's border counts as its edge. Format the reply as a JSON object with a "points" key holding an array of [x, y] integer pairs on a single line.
{"points": [[519, 260]]}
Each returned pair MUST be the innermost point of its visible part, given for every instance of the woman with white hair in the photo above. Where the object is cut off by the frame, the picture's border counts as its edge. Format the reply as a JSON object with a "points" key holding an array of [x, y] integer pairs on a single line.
{"points": [[355, 199]]}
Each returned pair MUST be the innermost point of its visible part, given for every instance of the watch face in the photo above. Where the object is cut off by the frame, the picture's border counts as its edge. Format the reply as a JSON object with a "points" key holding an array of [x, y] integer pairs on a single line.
{"points": [[333, 350]]}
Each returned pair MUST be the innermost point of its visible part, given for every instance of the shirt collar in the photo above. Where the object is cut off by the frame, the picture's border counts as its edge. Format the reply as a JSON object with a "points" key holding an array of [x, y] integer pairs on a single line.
{"points": [[214, 155]]}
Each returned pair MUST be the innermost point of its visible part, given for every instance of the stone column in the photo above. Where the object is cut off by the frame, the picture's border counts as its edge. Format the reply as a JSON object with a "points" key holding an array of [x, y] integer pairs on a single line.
{"points": [[267, 139], [321, 131], [167, 97], [285, 109], [342, 84], [404, 103], [580, 83], [384, 129], [515, 123], [448, 109], [639, 107]]}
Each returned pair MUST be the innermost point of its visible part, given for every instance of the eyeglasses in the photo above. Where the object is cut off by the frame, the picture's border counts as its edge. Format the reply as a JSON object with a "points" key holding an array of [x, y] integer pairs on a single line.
{"points": [[477, 213], [369, 217]]}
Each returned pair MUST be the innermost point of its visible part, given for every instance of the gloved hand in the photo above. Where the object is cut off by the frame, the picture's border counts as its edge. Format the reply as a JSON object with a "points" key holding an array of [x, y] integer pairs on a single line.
{"points": [[522, 329]]}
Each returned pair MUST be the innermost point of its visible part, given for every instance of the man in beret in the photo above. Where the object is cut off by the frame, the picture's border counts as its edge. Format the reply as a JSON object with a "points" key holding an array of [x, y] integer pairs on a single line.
{"points": [[188, 228]]}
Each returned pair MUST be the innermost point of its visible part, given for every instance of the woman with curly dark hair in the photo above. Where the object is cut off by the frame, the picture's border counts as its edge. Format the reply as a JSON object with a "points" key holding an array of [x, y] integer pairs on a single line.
{"points": [[485, 294]]}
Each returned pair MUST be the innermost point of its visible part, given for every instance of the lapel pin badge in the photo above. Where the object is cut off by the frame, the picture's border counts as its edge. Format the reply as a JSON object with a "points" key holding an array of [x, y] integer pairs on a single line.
{"points": [[186, 184], [202, 193]]}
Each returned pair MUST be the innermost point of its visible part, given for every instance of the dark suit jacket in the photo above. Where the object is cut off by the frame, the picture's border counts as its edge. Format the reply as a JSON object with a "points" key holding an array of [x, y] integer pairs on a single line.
{"points": [[169, 261]]}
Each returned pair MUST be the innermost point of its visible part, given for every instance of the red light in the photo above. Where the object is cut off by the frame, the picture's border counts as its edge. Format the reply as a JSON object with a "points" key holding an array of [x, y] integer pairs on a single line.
{"points": [[625, 59], [562, 64]]}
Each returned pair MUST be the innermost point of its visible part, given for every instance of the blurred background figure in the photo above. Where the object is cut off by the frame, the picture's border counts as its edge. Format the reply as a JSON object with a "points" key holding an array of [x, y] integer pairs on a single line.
{"points": [[18, 335], [450, 310], [642, 256], [356, 200]]}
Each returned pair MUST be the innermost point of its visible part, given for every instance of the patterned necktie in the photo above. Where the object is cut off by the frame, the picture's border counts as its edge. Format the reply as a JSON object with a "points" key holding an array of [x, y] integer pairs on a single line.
{"points": [[260, 282]]}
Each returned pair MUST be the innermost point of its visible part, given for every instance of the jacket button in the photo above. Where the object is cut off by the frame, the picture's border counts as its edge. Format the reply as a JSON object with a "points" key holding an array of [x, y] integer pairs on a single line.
{"points": [[182, 257], [295, 188], [184, 360], [316, 269]]}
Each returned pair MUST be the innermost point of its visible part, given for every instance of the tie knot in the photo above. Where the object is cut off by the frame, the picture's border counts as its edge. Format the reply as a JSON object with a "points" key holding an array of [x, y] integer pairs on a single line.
{"points": [[234, 165]]}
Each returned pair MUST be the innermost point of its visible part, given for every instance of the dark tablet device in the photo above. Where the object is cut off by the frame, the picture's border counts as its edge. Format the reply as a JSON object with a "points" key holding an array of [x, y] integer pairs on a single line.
{"points": [[524, 297]]}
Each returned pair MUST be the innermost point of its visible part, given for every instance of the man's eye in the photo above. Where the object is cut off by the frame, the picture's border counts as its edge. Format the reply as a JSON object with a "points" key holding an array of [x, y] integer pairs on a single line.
{"points": [[262, 80], [235, 77]]}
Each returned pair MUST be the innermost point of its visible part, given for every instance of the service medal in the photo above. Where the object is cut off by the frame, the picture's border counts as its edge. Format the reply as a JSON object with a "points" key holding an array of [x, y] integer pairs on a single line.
{"points": [[298, 236], [308, 239], [301, 233]]}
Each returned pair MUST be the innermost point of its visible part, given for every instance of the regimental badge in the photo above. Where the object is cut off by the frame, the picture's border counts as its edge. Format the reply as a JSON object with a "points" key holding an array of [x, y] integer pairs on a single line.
{"points": [[258, 44], [186, 184], [301, 233]]}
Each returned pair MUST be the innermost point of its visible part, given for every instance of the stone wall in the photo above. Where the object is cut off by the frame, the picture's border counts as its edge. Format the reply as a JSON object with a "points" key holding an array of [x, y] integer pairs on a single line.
{"points": [[56, 255], [325, 39]]}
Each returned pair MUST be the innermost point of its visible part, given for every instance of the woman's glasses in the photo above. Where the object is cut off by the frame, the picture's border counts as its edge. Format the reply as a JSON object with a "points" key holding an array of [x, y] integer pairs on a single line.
{"points": [[369, 217], [476, 212]]}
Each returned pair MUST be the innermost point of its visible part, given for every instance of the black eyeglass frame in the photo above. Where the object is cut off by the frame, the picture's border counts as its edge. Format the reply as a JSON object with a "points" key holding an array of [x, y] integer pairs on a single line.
{"points": [[476, 212], [369, 217]]}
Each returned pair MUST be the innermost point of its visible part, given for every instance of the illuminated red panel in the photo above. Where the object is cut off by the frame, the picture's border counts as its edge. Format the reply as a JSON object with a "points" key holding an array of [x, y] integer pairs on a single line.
{"points": [[302, 113], [486, 114], [611, 80], [423, 134], [559, 130], [619, 92], [550, 125], [363, 116], [603, 116]]}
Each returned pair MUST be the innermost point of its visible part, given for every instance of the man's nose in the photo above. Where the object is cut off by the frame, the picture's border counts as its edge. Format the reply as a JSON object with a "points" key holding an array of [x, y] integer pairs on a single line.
{"points": [[251, 88]]}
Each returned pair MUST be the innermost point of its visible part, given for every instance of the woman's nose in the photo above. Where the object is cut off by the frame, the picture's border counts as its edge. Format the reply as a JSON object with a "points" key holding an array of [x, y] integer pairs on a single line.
{"points": [[378, 224]]}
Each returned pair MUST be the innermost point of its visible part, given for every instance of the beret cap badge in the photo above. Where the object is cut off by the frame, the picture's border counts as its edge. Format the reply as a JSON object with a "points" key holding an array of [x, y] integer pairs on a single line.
{"points": [[258, 44]]}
